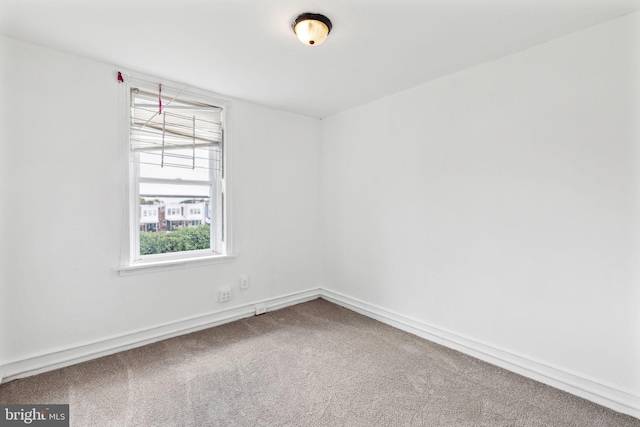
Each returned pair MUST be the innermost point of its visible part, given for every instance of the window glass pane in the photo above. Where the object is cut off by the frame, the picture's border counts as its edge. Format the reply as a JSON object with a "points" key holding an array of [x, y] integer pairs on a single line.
{"points": [[182, 218]]}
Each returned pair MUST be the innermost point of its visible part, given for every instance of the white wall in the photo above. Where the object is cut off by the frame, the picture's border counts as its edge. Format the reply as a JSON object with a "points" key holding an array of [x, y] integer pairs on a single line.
{"points": [[60, 148], [501, 204]]}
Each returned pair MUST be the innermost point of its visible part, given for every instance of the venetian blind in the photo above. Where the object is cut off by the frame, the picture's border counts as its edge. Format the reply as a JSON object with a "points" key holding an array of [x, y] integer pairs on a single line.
{"points": [[171, 130]]}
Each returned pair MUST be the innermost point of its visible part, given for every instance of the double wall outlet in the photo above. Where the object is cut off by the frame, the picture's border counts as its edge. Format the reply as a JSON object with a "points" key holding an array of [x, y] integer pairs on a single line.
{"points": [[224, 294], [244, 282]]}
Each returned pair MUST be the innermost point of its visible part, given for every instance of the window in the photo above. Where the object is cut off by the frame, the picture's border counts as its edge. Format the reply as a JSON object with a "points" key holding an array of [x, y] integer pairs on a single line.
{"points": [[176, 139]]}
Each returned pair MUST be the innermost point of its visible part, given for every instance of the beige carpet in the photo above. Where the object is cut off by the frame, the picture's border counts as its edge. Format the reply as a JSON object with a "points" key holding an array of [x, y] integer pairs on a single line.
{"points": [[314, 364]]}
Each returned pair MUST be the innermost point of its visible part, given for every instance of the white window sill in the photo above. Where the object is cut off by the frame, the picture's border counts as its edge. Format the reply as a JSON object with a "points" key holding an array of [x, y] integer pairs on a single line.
{"points": [[155, 266]]}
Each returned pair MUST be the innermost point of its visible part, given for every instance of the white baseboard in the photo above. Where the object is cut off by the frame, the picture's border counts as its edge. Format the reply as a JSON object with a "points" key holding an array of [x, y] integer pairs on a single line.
{"points": [[606, 395], [81, 353]]}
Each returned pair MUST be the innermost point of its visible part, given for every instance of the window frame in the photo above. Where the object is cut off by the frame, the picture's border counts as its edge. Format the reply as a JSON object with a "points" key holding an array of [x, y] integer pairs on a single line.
{"points": [[220, 250]]}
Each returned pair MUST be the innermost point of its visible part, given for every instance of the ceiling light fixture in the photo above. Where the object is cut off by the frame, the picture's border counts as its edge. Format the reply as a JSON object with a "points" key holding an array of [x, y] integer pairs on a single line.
{"points": [[311, 28]]}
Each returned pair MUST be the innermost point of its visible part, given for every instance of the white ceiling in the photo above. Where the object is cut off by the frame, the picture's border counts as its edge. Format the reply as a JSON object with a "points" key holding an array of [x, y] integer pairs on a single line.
{"points": [[246, 48]]}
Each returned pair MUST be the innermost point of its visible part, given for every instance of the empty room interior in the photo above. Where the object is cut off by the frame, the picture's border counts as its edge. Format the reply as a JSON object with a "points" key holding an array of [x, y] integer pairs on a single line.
{"points": [[321, 213]]}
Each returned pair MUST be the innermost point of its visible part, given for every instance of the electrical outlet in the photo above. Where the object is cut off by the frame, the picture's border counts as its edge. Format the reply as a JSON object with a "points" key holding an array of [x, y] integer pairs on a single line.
{"points": [[224, 294], [244, 282]]}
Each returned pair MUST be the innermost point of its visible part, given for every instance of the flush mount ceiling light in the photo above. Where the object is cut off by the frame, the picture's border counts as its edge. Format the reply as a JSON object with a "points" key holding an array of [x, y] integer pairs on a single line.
{"points": [[311, 28]]}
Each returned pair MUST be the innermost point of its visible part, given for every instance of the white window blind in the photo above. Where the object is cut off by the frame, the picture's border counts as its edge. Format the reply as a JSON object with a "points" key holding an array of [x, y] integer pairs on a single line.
{"points": [[174, 132]]}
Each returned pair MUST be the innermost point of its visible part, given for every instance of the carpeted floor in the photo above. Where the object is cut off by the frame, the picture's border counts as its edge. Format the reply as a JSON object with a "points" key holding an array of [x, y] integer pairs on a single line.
{"points": [[313, 364]]}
